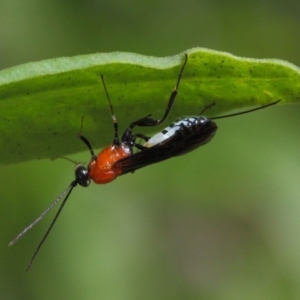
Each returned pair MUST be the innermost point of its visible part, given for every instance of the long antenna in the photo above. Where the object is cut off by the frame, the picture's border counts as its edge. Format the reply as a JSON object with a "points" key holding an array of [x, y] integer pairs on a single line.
{"points": [[244, 112], [67, 191]]}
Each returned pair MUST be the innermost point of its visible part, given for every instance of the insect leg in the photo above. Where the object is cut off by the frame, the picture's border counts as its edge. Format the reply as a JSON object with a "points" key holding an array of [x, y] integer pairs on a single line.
{"points": [[113, 116], [148, 121], [143, 137], [85, 140]]}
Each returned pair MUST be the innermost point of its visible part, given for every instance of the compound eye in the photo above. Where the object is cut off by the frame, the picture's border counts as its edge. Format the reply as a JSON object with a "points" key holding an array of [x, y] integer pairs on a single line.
{"points": [[82, 176]]}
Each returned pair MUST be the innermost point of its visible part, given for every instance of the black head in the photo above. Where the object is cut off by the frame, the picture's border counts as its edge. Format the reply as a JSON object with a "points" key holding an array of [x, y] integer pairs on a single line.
{"points": [[82, 176]]}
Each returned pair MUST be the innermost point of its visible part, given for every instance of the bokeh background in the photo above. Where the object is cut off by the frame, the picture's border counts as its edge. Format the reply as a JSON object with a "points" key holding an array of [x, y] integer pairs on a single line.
{"points": [[220, 223]]}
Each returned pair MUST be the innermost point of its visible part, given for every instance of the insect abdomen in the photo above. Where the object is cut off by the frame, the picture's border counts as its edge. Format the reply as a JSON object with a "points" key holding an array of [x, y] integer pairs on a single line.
{"points": [[185, 128]]}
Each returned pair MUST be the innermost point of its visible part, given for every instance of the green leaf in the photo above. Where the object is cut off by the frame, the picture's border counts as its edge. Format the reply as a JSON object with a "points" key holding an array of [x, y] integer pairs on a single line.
{"points": [[41, 104]]}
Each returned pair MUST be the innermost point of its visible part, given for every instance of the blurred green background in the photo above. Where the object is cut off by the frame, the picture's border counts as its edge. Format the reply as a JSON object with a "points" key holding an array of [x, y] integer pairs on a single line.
{"points": [[220, 223]]}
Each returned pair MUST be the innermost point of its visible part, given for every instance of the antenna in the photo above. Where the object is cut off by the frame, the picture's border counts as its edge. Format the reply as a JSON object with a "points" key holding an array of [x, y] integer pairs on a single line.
{"points": [[243, 112], [67, 191]]}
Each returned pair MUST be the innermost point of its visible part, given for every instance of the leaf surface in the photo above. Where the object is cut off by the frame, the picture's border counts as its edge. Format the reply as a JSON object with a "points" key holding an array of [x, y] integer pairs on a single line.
{"points": [[42, 103]]}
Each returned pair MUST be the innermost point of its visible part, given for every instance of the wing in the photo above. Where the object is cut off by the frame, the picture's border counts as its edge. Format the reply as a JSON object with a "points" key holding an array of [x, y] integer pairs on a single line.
{"points": [[183, 141]]}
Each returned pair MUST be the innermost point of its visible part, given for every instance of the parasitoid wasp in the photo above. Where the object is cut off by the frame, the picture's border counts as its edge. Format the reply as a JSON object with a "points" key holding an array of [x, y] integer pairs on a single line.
{"points": [[101, 168], [181, 137], [119, 158]]}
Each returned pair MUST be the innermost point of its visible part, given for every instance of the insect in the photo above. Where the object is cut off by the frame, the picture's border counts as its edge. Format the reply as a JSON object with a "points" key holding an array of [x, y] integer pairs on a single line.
{"points": [[102, 168], [126, 155], [183, 136]]}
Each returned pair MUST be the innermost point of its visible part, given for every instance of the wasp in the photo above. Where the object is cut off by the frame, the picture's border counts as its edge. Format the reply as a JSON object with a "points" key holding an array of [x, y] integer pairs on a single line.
{"points": [[125, 154]]}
